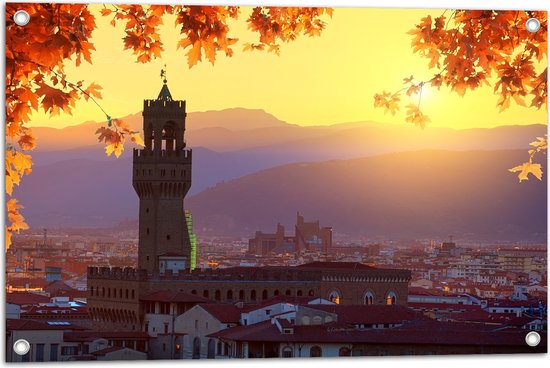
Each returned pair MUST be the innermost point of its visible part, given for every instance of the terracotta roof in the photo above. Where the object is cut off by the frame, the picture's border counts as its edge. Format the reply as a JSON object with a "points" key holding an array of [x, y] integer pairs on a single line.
{"points": [[446, 333], [446, 306], [86, 336], [56, 286], [369, 314], [336, 265], [225, 313], [27, 324], [174, 297], [72, 294], [296, 300], [25, 298]]}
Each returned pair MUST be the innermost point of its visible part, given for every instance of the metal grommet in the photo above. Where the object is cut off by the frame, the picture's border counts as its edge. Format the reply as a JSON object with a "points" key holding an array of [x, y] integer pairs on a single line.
{"points": [[532, 25], [532, 338], [21, 18], [21, 347]]}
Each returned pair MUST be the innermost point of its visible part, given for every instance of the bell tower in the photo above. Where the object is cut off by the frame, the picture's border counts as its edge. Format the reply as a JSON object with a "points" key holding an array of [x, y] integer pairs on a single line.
{"points": [[161, 179]]}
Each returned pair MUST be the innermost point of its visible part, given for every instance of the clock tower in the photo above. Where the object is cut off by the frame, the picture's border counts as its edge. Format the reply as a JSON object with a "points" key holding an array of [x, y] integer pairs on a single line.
{"points": [[161, 179]]}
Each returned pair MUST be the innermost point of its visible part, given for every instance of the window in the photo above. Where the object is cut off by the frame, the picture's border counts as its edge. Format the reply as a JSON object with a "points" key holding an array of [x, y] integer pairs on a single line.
{"points": [[334, 297], [264, 295], [163, 347], [369, 298], [253, 295], [92, 291], [287, 352], [39, 352], [166, 328], [391, 298], [267, 312], [54, 348], [133, 294], [69, 350], [315, 351], [168, 237], [344, 351]]}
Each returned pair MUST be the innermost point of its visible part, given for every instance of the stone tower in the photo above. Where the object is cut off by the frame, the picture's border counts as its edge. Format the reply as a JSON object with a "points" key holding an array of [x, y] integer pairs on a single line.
{"points": [[161, 179]]}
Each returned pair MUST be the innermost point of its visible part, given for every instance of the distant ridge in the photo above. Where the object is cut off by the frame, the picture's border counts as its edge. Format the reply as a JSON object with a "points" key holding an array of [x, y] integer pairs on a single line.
{"points": [[427, 193]]}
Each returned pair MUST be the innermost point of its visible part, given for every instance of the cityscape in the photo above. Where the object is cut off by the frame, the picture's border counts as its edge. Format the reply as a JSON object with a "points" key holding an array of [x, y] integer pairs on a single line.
{"points": [[274, 240]]}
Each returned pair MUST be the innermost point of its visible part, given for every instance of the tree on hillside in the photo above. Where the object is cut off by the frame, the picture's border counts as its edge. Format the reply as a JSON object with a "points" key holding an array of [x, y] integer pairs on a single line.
{"points": [[61, 33], [473, 48]]}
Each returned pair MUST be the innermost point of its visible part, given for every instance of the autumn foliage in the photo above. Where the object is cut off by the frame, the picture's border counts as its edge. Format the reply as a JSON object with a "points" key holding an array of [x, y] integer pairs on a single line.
{"points": [[473, 48], [61, 33]]}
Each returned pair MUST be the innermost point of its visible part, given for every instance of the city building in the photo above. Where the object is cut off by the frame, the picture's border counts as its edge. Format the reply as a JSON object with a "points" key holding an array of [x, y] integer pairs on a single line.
{"points": [[307, 236]]}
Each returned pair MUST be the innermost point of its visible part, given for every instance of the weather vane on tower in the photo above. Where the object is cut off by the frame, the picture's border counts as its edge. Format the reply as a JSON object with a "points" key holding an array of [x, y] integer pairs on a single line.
{"points": [[163, 74]]}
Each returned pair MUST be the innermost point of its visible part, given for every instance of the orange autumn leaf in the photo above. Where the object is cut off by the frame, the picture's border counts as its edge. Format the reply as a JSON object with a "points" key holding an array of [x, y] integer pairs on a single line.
{"points": [[16, 221], [528, 168]]}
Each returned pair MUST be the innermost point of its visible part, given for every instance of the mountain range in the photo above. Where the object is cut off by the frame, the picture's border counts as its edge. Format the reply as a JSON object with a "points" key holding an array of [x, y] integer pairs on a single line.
{"points": [[74, 184]]}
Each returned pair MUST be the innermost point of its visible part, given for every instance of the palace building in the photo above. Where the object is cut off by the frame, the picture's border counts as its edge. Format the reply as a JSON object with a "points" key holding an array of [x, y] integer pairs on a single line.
{"points": [[119, 299]]}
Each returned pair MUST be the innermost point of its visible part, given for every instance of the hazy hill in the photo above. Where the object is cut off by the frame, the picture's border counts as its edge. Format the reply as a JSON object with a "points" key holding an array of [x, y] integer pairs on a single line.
{"points": [[411, 194], [244, 129], [83, 134]]}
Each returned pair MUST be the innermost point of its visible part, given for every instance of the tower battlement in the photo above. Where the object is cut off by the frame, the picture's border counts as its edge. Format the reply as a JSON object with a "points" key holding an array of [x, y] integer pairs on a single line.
{"points": [[152, 156]]}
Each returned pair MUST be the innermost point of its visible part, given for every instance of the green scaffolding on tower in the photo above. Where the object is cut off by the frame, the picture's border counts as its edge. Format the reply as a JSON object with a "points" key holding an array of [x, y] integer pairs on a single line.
{"points": [[192, 239]]}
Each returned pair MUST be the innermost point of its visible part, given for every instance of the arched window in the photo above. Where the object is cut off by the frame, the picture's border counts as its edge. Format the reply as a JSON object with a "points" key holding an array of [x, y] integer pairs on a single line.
{"points": [[315, 351], [127, 294], [344, 351], [229, 295], [253, 295], [288, 292], [241, 294], [299, 293], [311, 293], [335, 297], [369, 298], [276, 292], [218, 295], [193, 291], [205, 293], [197, 348], [264, 294], [287, 352], [211, 353], [391, 298]]}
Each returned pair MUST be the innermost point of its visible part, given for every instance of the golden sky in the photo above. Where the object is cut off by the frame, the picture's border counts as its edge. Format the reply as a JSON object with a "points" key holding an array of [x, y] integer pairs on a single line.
{"points": [[315, 81]]}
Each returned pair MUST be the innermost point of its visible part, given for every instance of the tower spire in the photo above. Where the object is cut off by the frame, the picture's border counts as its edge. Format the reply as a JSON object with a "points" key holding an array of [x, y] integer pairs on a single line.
{"points": [[163, 74], [164, 94]]}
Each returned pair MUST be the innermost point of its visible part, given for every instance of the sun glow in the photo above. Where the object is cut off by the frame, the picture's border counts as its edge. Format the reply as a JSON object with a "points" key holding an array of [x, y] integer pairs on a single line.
{"points": [[315, 81]]}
